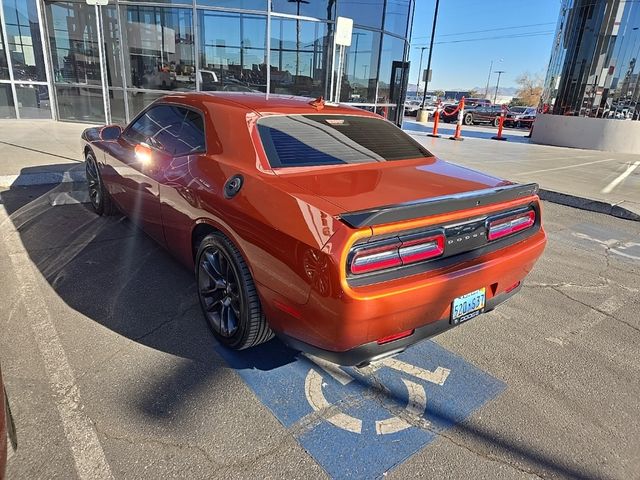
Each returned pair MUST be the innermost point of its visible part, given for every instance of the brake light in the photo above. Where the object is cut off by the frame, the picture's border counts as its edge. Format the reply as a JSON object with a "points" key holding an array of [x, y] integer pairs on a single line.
{"points": [[396, 254], [504, 227], [378, 258], [418, 250]]}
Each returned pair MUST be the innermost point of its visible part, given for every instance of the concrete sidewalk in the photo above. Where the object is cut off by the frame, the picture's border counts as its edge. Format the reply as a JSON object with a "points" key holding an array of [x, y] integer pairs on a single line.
{"points": [[43, 151], [36, 152]]}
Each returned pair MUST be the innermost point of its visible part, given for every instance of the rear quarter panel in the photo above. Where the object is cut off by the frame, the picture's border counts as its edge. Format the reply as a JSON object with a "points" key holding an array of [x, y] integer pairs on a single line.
{"points": [[274, 230]]}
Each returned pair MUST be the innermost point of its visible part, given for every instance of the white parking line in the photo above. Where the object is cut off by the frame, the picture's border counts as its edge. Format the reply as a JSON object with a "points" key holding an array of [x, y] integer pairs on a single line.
{"points": [[566, 167], [88, 455], [618, 180]]}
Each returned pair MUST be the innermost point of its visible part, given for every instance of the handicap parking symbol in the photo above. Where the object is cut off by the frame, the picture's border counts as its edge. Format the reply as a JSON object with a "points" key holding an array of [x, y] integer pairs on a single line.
{"points": [[362, 422]]}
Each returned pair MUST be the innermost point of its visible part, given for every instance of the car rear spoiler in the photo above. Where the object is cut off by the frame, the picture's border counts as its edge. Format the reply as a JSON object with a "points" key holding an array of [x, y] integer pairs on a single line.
{"points": [[437, 205]]}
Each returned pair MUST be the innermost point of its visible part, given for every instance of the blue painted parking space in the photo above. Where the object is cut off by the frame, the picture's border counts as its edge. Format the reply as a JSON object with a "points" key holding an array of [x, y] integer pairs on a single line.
{"points": [[360, 423]]}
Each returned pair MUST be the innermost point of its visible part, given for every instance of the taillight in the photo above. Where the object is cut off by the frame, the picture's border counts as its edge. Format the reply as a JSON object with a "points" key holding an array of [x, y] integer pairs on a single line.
{"points": [[378, 258], [397, 253], [503, 227]]}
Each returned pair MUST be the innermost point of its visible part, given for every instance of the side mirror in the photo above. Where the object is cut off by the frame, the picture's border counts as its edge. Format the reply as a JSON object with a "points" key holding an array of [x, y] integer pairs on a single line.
{"points": [[110, 132]]}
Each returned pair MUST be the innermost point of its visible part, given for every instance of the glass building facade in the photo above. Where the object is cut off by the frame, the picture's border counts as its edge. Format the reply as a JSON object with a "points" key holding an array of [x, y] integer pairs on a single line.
{"points": [[71, 61], [593, 71]]}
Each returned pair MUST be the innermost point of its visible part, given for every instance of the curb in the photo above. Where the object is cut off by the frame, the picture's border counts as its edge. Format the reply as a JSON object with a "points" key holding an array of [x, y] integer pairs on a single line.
{"points": [[588, 204], [43, 178]]}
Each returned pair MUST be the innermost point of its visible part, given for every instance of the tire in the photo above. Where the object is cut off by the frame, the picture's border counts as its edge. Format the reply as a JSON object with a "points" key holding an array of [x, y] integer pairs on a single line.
{"points": [[468, 119], [228, 296], [98, 194], [496, 121]]}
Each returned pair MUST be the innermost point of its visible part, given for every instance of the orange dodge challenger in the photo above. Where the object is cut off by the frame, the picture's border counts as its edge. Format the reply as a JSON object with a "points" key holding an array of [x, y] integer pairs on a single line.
{"points": [[323, 224]]}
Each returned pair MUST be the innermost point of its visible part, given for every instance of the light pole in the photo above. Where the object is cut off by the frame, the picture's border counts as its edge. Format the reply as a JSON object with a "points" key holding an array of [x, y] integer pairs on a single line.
{"points": [[422, 49], [423, 115], [486, 90], [433, 34], [495, 95]]}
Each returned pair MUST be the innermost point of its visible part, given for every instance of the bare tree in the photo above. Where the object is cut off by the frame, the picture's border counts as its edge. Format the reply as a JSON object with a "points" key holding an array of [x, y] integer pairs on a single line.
{"points": [[529, 91]]}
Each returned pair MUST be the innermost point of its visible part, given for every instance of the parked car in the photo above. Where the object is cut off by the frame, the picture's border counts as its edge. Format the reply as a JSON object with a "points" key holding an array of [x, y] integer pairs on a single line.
{"points": [[520, 117], [477, 115], [476, 102], [411, 108], [450, 111], [7, 428], [322, 224]]}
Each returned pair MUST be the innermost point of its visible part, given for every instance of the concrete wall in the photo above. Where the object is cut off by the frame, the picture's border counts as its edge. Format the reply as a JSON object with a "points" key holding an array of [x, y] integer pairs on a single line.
{"points": [[622, 136]]}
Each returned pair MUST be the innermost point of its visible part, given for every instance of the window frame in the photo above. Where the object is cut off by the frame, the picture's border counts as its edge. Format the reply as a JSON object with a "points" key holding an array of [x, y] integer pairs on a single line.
{"points": [[161, 103]]}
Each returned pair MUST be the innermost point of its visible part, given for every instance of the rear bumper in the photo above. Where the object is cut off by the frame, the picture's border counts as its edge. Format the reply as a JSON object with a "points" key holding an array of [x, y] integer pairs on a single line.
{"points": [[346, 324], [372, 351]]}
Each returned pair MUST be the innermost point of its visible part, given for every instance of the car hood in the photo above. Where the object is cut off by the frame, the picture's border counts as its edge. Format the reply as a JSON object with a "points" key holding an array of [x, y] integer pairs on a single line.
{"points": [[360, 187]]}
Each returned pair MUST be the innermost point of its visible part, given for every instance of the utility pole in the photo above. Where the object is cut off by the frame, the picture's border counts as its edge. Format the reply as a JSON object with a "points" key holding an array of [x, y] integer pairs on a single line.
{"points": [[495, 95], [433, 34]]}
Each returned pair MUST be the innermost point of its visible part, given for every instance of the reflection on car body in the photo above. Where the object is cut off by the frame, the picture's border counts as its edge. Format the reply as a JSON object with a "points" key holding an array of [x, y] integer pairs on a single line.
{"points": [[322, 224]]}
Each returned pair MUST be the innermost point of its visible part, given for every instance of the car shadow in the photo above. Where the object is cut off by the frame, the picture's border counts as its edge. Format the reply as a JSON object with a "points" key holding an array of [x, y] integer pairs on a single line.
{"points": [[112, 273]]}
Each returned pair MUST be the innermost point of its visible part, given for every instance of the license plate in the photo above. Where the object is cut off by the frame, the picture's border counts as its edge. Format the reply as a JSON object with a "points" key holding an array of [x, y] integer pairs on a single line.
{"points": [[468, 306]]}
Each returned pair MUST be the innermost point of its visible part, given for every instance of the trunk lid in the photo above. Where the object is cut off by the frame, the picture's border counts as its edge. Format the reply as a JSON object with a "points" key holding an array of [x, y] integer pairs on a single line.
{"points": [[363, 187]]}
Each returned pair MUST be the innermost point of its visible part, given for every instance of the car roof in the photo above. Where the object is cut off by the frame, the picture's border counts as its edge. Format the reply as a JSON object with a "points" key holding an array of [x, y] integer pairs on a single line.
{"points": [[258, 102]]}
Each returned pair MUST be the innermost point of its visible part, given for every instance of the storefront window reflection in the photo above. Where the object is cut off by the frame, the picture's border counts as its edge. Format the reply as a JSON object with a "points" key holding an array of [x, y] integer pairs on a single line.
{"points": [[23, 39], [74, 43], [300, 52], [150, 48], [321, 9], [4, 66], [33, 101], [594, 69], [360, 67], [365, 14], [232, 52], [160, 48], [6, 102], [396, 16]]}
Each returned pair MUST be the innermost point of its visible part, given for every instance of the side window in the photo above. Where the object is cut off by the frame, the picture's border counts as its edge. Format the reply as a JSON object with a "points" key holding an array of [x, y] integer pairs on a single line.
{"points": [[173, 129]]}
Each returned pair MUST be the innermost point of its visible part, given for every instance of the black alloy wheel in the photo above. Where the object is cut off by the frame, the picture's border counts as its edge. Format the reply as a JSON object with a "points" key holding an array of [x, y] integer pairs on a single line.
{"points": [[496, 121], [228, 295], [98, 195], [468, 119]]}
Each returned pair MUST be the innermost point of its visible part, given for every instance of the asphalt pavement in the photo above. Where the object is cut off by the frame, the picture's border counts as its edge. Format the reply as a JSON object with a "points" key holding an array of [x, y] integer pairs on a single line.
{"points": [[112, 372]]}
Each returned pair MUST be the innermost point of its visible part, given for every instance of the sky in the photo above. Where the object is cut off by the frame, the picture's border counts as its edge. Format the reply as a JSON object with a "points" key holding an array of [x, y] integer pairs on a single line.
{"points": [[458, 64]]}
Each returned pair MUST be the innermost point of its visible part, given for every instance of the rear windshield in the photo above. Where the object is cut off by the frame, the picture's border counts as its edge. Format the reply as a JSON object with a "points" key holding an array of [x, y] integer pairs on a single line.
{"points": [[314, 140]]}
